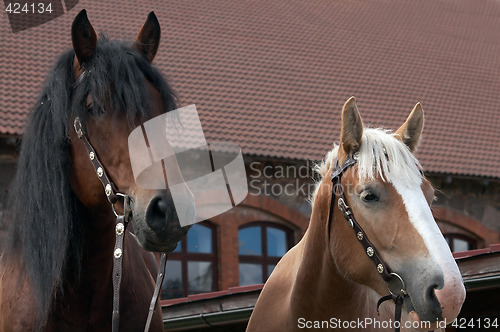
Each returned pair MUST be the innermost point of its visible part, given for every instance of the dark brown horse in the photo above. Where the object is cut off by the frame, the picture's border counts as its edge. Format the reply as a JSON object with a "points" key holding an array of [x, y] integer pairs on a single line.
{"points": [[328, 280], [57, 267]]}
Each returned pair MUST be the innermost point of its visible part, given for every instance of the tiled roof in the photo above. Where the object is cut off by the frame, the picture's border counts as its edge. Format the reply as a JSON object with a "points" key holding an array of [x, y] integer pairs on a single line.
{"points": [[272, 75]]}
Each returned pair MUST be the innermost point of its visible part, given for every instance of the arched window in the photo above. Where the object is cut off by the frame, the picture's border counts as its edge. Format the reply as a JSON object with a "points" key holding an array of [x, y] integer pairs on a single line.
{"points": [[460, 242], [192, 266], [261, 246]]}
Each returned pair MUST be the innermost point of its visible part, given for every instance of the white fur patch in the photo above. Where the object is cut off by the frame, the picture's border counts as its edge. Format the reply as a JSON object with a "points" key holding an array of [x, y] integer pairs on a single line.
{"points": [[421, 218]]}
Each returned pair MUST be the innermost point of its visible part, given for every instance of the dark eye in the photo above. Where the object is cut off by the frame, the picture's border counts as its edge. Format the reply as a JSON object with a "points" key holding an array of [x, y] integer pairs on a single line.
{"points": [[94, 110], [369, 197]]}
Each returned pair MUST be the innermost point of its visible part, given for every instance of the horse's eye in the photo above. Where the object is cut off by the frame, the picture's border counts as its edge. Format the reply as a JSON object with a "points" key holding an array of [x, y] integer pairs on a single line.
{"points": [[369, 197], [94, 110]]}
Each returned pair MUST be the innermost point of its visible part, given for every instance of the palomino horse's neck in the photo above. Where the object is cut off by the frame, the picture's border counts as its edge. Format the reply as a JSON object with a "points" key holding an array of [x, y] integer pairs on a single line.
{"points": [[317, 275]]}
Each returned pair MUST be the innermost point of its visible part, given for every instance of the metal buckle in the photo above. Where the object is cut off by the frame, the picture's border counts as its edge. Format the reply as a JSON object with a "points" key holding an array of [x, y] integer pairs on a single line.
{"points": [[345, 211], [78, 127], [395, 289]]}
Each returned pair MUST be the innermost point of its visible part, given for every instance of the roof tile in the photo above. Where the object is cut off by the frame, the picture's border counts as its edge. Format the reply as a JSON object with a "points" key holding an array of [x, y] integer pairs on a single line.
{"points": [[272, 76]]}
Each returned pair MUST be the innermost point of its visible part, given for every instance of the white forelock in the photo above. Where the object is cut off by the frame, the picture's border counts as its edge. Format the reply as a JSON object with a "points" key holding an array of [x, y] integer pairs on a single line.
{"points": [[380, 154]]}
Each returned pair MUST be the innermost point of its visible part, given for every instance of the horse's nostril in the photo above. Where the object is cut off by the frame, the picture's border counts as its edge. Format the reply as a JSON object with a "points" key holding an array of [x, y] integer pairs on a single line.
{"points": [[430, 292], [156, 214], [434, 306], [162, 206]]}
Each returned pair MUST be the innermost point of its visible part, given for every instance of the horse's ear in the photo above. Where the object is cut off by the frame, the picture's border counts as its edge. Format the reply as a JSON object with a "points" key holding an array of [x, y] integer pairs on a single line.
{"points": [[84, 37], [148, 38], [411, 130], [351, 128]]}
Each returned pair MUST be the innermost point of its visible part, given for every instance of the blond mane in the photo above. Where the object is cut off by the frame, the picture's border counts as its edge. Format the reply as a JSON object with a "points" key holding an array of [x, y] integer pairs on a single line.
{"points": [[380, 154]]}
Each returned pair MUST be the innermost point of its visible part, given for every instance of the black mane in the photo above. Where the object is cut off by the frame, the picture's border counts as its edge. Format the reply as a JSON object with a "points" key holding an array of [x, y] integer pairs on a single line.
{"points": [[45, 215]]}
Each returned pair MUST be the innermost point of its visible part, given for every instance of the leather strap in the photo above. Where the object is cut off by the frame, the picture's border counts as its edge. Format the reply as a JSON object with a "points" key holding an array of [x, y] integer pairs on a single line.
{"points": [[117, 271], [159, 282], [398, 301], [109, 187], [370, 250]]}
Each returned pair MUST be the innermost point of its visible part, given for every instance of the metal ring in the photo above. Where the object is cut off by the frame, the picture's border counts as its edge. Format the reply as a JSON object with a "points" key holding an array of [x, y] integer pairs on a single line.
{"points": [[402, 289], [113, 205]]}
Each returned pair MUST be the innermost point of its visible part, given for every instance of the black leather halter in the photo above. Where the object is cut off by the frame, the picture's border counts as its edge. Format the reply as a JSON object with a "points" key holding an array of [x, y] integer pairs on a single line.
{"points": [[395, 283], [121, 224]]}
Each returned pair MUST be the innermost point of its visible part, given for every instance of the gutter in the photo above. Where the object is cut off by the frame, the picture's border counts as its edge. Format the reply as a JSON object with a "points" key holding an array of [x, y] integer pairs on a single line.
{"points": [[491, 281], [211, 319]]}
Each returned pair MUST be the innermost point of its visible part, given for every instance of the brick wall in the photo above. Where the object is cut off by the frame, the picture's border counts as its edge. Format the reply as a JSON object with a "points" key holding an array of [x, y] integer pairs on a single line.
{"points": [[278, 192]]}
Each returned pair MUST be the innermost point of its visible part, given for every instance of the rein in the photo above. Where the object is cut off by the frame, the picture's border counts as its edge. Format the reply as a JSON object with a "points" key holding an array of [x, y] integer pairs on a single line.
{"points": [[395, 284], [122, 222]]}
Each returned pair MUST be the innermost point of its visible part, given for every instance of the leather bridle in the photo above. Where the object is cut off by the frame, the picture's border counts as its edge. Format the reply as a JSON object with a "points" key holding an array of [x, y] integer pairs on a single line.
{"points": [[395, 283], [122, 221]]}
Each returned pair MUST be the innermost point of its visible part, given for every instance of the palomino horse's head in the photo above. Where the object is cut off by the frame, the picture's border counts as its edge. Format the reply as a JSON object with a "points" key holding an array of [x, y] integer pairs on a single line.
{"points": [[116, 90], [391, 199]]}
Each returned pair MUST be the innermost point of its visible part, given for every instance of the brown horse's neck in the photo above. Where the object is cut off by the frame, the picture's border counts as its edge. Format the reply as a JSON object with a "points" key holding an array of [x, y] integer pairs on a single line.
{"points": [[100, 241], [86, 300]]}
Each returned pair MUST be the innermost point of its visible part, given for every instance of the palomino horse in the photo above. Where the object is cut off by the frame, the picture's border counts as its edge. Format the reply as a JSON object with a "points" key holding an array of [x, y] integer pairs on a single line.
{"points": [[329, 280], [56, 272]]}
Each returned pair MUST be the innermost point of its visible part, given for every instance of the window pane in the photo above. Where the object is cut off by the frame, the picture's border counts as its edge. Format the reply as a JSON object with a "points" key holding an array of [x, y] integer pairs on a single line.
{"points": [[199, 239], [250, 241], [200, 277], [270, 269], [250, 274], [172, 283], [276, 242], [460, 245]]}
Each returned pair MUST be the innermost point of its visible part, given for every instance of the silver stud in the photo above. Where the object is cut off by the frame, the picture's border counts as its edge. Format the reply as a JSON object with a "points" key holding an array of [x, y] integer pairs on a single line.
{"points": [[360, 236], [380, 268], [91, 155], [369, 251], [120, 228], [107, 190], [118, 253], [100, 172]]}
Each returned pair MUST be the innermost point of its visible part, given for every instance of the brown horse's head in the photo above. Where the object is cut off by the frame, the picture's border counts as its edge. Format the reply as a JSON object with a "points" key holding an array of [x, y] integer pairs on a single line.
{"points": [[391, 199], [116, 90]]}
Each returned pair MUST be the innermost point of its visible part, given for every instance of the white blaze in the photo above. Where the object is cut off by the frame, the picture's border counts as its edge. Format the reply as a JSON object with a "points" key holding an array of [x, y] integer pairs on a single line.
{"points": [[452, 295]]}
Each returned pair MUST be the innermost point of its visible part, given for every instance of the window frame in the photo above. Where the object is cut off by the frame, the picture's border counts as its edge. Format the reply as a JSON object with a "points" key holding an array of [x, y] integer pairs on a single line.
{"points": [[184, 257], [264, 260], [449, 237]]}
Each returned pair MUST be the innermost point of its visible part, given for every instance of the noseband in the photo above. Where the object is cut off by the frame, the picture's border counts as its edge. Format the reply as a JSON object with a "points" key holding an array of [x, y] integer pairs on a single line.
{"points": [[395, 283], [122, 222]]}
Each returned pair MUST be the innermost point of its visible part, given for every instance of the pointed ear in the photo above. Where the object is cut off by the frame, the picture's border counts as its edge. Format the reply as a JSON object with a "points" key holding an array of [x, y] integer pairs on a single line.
{"points": [[352, 127], [411, 130], [84, 37], [148, 38]]}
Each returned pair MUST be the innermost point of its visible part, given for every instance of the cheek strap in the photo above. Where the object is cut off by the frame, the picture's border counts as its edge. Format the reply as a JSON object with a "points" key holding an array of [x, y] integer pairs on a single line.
{"points": [[395, 283]]}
